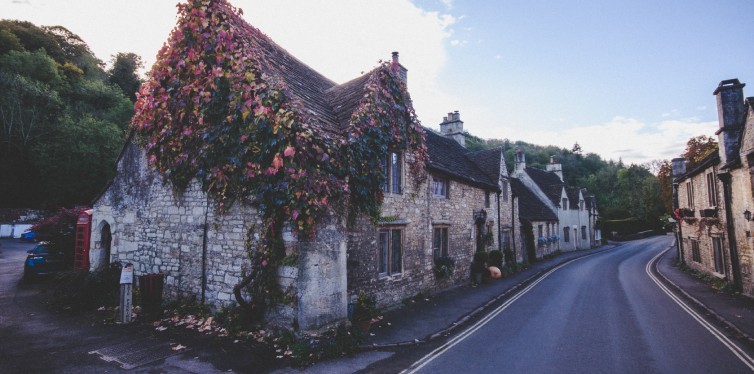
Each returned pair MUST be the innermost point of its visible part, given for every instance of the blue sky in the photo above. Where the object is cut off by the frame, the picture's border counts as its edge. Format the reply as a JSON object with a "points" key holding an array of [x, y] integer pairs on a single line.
{"points": [[625, 79]]}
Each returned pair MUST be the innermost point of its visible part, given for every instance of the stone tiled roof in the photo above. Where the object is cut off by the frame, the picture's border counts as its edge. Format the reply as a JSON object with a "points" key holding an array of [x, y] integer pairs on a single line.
{"points": [[698, 167], [548, 181], [530, 208], [449, 158], [489, 161]]}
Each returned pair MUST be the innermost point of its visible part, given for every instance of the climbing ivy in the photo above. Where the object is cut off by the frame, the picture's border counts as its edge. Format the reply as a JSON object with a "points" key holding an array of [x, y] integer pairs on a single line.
{"points": [[209, 112], [384, 121]]}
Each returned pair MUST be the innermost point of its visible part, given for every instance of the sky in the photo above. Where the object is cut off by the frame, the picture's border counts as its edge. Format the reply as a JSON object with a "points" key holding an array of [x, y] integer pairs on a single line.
{"points": [[629, 80]]}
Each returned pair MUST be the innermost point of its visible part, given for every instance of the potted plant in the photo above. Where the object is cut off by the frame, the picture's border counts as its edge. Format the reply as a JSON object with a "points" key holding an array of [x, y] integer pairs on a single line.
{"points": [[444, 267], [365, 311]]}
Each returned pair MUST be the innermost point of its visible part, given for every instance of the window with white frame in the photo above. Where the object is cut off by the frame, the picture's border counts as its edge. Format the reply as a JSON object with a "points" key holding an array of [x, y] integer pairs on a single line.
{"points": [[566, 234], [564, 203], [583, 232], [390, 251], [690, 194]]}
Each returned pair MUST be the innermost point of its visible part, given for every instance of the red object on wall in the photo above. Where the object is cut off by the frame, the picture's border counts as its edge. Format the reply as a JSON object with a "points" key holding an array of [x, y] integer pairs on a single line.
{"points": [[83, 234]]}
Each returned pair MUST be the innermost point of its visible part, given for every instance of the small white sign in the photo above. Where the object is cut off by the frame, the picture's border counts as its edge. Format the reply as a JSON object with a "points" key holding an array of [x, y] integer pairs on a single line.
{"points": [[127, 274]]}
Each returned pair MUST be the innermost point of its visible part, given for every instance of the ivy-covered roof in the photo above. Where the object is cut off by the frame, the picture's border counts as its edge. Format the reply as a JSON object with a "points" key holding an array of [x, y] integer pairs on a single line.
{"points": [[530, 208], [450, 159]]}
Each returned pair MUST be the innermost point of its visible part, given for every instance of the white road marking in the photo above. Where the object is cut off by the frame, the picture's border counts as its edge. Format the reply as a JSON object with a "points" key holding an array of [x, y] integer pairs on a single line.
{"points": [[479, 324], [737, 351]]}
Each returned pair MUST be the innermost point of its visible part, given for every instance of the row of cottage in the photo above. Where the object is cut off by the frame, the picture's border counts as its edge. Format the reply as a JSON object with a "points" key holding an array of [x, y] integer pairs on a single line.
{"points": [[714, 198], [469, 202]]}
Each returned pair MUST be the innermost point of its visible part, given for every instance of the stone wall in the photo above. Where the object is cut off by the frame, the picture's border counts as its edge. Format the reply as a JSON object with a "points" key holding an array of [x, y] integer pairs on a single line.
{"points": [[203, 254], [742, 180], [690, 228], [417, 214]]}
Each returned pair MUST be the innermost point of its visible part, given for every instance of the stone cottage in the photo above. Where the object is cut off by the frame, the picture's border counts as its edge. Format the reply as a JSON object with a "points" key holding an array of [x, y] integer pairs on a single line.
{"points": [[714, 197], [463, 205], [701, 217], [574, 226]]}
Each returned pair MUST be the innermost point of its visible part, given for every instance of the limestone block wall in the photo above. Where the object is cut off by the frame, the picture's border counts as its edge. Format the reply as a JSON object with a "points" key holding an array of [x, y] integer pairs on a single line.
{"points": [[203, 254], [417, 214]]}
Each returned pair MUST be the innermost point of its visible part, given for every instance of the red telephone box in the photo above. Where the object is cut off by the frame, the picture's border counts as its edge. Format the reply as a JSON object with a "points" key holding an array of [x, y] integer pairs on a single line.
{"points": [[83, 235]]}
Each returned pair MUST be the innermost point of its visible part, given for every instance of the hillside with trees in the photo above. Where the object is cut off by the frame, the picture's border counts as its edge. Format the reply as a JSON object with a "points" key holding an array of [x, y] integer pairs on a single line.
{"points": [[622, 192], [63, 116]]}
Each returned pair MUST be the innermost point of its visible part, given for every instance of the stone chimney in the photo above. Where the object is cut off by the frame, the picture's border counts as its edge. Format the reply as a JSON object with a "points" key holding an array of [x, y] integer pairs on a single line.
{"points": [[731, 115], [452, 127], [520, 163], [402, 71], [555, 166], [678, 166]]}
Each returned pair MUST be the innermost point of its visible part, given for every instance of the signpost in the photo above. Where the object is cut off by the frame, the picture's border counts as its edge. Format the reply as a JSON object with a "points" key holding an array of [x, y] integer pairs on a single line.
{"points": [[126, 293]]}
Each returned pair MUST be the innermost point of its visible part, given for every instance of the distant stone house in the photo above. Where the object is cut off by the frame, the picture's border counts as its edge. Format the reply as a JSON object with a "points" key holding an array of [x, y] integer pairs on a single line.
{"points": [[574, 226], [464, 205], [534, 217], [715, 197], [734, 168]]}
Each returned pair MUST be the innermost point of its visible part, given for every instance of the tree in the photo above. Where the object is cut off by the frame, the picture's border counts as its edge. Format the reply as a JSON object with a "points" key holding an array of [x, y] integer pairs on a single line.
{"points": [[61, 121], [699, 147], [124, 73], [665, 178]]}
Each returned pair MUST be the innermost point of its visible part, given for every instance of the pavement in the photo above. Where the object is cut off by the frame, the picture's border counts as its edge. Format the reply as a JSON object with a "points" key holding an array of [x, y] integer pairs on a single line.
{"points": [[429, 317], [734, 312]]}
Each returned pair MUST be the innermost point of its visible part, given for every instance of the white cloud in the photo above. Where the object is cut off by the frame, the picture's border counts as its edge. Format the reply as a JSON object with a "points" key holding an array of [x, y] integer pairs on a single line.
{"points": [[628, 139]]}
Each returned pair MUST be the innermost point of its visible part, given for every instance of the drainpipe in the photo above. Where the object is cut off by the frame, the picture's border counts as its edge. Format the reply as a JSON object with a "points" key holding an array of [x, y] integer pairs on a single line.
{"points": [[513, 229], [727, 192], [204, 252], [499, 228]]}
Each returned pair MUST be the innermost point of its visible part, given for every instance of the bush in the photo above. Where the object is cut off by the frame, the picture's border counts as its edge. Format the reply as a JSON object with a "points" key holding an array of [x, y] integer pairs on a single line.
{"points": [[365, 308], [444, 267], [496, 259], [81, 290], [481, 257]]}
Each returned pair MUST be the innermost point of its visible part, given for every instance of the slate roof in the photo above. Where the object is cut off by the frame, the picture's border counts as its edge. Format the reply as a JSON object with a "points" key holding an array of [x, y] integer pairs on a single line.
{"points": [[489, 161], [696, 168], [449, 158], [573, 197], [548, 182], [530, 208]]}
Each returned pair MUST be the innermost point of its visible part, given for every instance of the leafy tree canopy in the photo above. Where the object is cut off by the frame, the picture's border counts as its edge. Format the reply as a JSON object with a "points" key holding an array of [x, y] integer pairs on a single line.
{"points": [[62, 121]]}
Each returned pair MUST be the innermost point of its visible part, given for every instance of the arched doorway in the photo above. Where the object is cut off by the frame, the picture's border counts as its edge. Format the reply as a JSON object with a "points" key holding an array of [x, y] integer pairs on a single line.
{"points": [[106, 239]]}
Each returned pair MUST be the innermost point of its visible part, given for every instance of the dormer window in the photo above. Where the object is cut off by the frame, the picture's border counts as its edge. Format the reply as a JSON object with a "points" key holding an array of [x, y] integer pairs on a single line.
{"points": [[564, 205], [393, 169]]}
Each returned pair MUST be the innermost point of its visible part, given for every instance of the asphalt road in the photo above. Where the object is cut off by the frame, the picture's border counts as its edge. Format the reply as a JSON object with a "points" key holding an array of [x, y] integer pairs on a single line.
{"points": [[35, 339], [599, 314]]}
